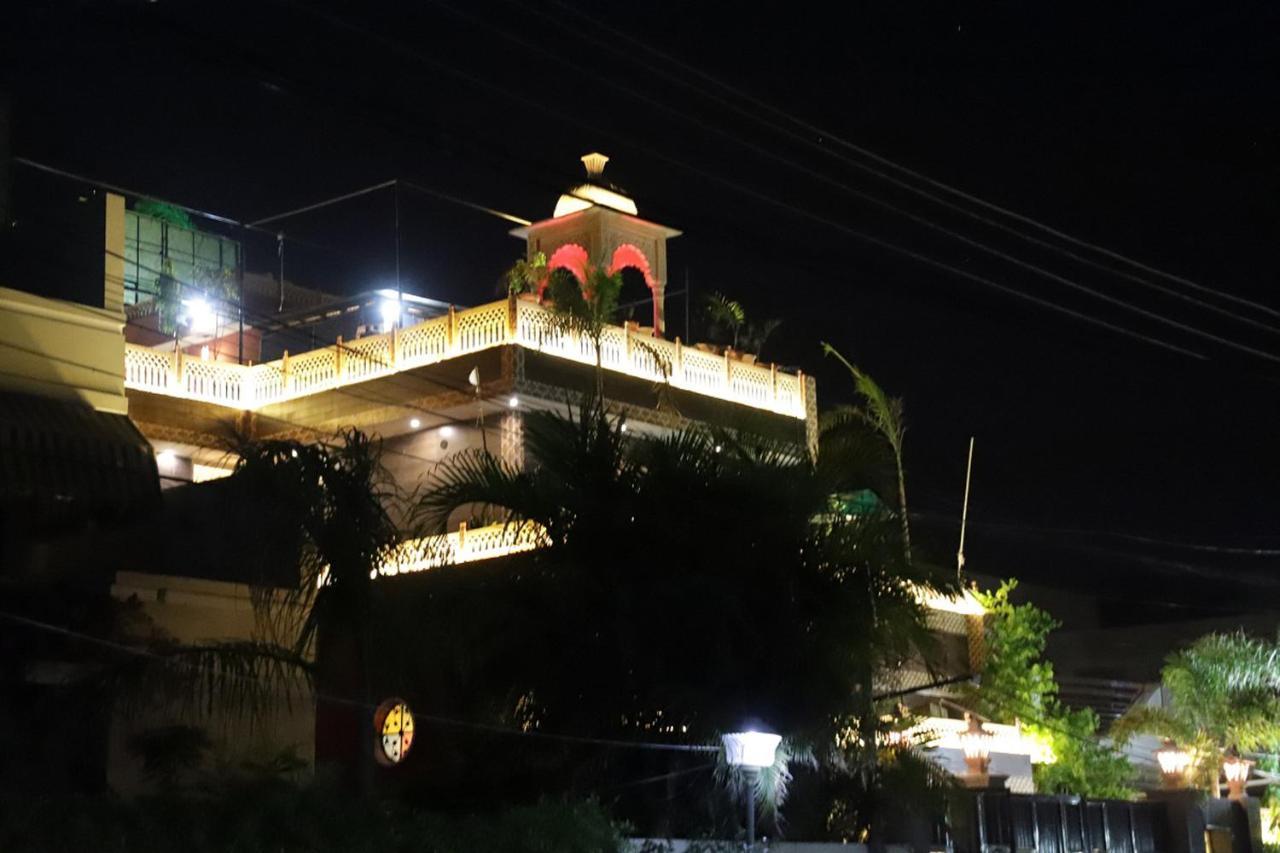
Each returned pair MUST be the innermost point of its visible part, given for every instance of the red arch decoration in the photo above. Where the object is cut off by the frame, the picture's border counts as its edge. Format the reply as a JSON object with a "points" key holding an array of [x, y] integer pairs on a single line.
{"points": [[571, 257], [628, 255]]}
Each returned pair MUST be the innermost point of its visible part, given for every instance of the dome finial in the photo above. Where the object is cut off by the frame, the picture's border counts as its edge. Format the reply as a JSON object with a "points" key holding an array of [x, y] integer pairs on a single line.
{"points": [[595, 162]]}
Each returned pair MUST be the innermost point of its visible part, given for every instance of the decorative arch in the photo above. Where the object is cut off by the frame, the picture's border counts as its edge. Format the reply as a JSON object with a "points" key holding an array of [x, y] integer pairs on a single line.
{"points": [[571, 257], [628, 255]]}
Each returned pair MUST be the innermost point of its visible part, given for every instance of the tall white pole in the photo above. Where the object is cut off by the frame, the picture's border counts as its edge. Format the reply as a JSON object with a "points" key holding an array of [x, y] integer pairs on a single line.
{"points": [[964, 512]]}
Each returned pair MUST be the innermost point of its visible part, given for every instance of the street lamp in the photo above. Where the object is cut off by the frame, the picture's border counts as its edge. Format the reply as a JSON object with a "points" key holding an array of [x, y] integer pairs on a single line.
{"points": [[1236, 769], [975, 743], [1173, 761], [751, 751]]}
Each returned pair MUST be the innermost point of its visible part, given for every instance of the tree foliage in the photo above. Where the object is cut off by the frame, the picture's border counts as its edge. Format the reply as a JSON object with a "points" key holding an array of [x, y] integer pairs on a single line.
{"points": [[1223, 691], [248, 811], [1018, 682], [692, 581]]}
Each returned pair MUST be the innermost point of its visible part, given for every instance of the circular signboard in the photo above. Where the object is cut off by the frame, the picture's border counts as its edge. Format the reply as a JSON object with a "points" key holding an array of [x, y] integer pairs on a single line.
{"points": [[393, 724]]}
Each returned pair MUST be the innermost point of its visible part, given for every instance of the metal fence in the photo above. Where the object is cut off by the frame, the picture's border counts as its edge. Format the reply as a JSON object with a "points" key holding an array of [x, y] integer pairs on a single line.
{"points": [[996, 822]]}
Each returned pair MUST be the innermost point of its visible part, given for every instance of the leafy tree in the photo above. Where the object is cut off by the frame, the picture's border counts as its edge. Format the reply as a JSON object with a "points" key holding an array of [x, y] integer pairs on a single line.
{"points": [[690, 582], [728, 324], [1224, 691], [327, 516], [1018, 682], [245, 809]]}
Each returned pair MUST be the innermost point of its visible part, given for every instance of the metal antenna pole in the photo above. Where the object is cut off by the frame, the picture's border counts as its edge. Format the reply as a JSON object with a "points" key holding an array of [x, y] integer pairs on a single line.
{"points": [[399, 289], [280, 255], [964, 512], [686, 305]]}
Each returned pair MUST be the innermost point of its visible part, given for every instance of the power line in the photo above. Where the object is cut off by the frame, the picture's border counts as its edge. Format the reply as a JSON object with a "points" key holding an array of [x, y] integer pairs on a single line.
{"points": [[757, 194], [878, 202], [886, 245], [836, 138], [321, 204], [328, 697], [396, 182]]}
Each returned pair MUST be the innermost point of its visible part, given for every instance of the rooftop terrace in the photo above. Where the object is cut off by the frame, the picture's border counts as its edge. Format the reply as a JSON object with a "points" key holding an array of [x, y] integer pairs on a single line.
{"points": [[624, 350]]}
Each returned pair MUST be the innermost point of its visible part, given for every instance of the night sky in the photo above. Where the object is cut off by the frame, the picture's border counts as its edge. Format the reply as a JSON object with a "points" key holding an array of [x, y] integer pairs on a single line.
{"points": [[1149, 128]]}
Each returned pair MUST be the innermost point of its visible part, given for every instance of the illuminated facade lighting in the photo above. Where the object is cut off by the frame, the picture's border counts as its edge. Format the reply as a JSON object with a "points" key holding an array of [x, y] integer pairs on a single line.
{"points": [[975, 743], [518, 322], [1173, 761], [414, 423], [389, 310], [199, 316], [1236, 771]]}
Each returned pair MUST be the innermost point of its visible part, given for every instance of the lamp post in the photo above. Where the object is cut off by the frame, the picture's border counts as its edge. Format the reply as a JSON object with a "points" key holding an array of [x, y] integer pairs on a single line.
{"points": [[751, 751], [975, 743], [1236, 770], [1173, 761]]}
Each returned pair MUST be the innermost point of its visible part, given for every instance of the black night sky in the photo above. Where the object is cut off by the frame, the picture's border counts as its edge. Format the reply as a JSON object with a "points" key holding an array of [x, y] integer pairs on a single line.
{"points": [[1150, 128]]}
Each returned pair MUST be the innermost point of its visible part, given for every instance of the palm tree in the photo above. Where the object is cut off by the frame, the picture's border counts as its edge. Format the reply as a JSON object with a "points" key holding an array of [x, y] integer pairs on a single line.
{"points": [[691, 581], [884, 415], [325, 523], [1224, 691]]}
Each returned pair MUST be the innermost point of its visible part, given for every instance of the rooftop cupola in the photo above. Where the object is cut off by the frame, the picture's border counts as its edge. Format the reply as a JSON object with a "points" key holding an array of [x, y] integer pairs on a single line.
{"points": [[595, 191], [595, 224]]}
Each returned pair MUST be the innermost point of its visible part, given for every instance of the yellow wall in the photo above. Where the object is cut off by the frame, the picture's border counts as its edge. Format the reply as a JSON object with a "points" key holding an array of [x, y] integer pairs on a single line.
{"points": [[190, 611], [60, 349]]}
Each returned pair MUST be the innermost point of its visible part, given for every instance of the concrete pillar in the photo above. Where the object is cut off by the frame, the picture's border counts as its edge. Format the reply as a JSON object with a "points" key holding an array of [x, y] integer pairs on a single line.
{"points": [[113, 264], [659, 308]]}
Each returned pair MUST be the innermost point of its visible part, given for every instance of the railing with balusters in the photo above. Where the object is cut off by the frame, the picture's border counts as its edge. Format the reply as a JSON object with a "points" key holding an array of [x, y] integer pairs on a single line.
{"points": [[463, 546], [514, 321]]}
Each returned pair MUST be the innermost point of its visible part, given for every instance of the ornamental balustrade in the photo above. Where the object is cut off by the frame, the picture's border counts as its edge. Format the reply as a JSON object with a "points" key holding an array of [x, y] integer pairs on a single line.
{"points": [[624, 350], [463, 546]]}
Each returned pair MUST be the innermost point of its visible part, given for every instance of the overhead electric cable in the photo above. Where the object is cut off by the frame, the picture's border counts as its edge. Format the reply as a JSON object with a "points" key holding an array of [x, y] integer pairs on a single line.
{"points": [[822, 133], [434, 718], [757, 194], [923, 221]]}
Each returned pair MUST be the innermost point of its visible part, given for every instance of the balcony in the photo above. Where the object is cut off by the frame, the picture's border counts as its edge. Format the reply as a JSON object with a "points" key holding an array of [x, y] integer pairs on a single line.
{"points": [[459, 333]]}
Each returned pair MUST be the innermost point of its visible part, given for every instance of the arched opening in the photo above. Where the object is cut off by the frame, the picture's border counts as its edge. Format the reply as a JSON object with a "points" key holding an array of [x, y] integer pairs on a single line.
{"points": [[638, 285], [626, 256], [571, 257], [635, 299]]}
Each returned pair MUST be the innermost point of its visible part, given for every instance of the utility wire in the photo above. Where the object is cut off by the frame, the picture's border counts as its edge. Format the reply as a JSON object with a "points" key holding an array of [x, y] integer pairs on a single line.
{"points": [[1135, 537], [861, 236], [328, 697], [822, 134], [322, 204], [866, 238], [394, 182], [923, 221]]}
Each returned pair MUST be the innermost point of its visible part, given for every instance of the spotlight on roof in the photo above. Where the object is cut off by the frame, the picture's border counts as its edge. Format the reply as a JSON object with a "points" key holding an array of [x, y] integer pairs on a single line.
{"points": [[414, 423], [198, 316], [389, 310]]}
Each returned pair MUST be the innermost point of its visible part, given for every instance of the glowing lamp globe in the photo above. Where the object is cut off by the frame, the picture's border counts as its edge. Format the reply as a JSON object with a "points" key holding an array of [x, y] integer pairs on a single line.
{"points": [[199, 316], [1236, 771], [1173, 761], [975, 743], [752, 750], [389, 310]]}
